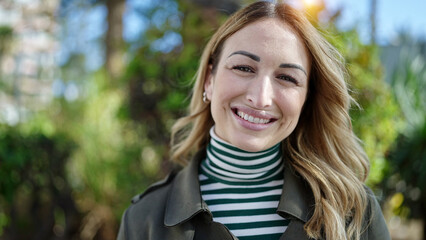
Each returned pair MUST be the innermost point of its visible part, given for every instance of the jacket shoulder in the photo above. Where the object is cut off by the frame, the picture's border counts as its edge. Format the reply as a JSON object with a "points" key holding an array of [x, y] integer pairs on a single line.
{"points": [[376, 227], [155, 186], [147, 210]]}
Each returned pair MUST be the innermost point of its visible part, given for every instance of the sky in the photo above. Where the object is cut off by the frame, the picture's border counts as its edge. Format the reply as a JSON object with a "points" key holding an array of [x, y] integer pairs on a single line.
{"points": [[392, 17]]}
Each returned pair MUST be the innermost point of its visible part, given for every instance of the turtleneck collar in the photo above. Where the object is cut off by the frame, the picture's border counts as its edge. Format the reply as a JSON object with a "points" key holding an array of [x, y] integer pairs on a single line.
{"points": [[229, 164]]}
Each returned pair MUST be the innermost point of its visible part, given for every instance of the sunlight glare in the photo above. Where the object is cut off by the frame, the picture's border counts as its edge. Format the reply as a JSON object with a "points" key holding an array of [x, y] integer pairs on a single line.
{"points": [[310, 3]]}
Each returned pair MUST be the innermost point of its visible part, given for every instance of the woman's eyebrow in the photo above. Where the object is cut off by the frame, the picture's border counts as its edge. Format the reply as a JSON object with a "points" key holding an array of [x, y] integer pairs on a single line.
{"points": [[247, 54], [291, 65]]}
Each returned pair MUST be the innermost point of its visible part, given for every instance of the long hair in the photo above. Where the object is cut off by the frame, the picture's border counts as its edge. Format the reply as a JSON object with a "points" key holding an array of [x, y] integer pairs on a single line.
{"points": [[323, 148]]}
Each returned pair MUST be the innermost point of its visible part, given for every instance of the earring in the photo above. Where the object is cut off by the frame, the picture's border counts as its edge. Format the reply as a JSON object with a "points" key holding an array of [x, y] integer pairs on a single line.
{"points": [[205, 100]]}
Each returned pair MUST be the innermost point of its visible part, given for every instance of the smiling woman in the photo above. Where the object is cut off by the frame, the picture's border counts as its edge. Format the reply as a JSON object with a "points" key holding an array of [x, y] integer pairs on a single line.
{"points": [[267, 148]]}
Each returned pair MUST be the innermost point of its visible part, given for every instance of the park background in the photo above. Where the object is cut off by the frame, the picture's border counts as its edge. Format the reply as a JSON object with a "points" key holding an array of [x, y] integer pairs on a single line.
{"points": [[90, 88]]}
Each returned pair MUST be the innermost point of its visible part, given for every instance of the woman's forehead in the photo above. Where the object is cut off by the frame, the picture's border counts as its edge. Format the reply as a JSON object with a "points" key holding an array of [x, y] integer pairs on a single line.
{"points": [[263, 32]]}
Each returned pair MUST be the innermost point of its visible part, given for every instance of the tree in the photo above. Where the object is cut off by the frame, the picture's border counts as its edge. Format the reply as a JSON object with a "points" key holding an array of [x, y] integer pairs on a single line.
{"points": [[35, 203]]}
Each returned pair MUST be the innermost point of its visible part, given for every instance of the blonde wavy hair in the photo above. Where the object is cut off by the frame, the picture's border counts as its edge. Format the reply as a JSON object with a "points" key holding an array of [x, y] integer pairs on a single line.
{"points": [[323, 148]]}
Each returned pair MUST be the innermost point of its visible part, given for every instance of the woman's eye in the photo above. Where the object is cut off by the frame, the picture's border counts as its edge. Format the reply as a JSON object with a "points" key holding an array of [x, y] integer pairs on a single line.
{"points": [[243, 69], [288, 78]]}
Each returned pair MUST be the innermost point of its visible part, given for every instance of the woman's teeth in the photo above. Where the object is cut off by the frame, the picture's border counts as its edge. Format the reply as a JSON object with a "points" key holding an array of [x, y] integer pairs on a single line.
{"points": [[252, 119]]}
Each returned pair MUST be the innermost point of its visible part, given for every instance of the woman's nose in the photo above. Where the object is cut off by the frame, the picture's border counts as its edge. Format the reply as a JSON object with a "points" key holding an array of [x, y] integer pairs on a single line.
{"points": [[260, 92]]}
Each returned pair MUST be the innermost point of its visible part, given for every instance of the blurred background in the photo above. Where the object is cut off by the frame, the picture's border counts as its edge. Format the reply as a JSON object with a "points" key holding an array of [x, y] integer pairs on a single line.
{"points": [[90, 88]]}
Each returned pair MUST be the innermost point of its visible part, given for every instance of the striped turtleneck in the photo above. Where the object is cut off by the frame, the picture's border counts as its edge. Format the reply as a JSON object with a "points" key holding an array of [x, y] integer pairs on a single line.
{"points": [[242, 189]]}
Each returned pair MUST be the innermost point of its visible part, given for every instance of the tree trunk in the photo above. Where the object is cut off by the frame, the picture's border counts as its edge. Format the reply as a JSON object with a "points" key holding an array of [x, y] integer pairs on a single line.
{"points": [[114, 38]]}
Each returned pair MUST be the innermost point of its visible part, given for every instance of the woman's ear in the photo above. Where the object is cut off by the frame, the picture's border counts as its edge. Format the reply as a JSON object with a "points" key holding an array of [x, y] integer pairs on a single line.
{"points": [[209, 82]]}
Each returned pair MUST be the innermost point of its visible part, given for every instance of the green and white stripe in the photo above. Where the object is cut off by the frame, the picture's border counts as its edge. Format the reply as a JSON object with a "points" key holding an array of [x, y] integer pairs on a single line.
{"points": [[242, 189]]}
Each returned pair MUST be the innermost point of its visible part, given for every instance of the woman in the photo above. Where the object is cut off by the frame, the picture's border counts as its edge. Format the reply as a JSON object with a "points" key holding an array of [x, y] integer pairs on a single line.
{"points": [[273, 155]]}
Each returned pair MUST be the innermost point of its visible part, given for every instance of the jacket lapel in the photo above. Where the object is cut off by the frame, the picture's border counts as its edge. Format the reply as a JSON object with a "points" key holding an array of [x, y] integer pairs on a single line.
{"points": [[184, 200], [296, 203], [185, 205], [297, 200]]}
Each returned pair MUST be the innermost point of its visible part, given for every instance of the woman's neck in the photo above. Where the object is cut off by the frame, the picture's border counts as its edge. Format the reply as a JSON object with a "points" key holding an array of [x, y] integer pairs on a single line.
{"points": [[228, 163]]}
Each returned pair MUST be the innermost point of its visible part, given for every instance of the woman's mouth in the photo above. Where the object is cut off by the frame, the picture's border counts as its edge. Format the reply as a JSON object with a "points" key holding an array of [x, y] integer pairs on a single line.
{"points": [[252, 119]]}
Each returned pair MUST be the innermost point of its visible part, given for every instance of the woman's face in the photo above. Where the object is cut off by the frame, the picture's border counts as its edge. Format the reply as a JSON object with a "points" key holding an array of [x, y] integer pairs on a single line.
{"points": [[259, 85]]}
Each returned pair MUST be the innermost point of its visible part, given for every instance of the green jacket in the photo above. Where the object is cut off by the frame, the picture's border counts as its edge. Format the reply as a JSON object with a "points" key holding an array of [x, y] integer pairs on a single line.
{"points": [[173, 209]]}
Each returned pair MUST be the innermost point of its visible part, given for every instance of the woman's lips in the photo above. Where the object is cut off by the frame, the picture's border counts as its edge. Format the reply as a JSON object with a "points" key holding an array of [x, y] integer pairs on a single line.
{"points": [[253, 119]]}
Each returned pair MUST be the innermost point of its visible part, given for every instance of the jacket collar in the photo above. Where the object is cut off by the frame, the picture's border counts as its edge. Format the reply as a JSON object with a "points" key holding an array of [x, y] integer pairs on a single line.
{"points": [[297, 199], [185, 201]]}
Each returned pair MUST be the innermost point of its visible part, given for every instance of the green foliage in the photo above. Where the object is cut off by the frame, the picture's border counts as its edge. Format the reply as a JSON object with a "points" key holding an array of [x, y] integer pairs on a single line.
{"points": [[122, 131], [106, 169], [406, 176], [32, 182], [6, 34], [409, 83], [5, 31]]}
